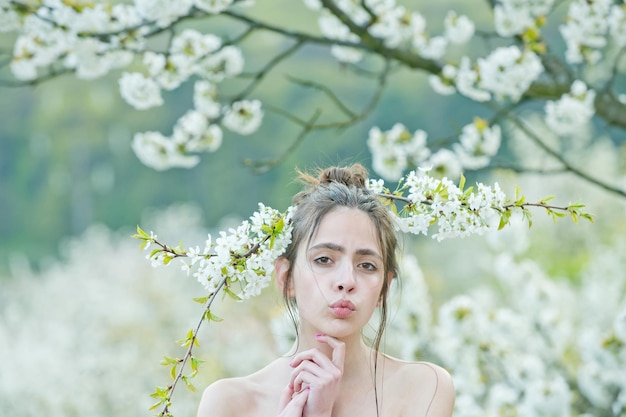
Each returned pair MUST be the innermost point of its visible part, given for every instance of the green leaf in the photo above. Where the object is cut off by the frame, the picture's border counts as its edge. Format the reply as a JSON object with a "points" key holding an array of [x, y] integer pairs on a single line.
{"points": [[189, 385], [155, 406], [504, 219], [280, 225], [161, 393], [528, 216], [272, 240], [140, 234], [166, 361], [587, 216], [231, 294], [201, 300], [462, 182], [211, 317], [195, 363], [187, 341]]}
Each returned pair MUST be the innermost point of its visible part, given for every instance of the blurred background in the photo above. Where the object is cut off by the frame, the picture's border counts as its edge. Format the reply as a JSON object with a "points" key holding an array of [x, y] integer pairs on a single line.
{"points": [[85, 320]]}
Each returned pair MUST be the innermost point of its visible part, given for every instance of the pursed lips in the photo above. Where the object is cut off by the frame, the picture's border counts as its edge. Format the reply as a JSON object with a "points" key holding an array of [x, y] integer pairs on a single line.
{"points": [[342, 308]]}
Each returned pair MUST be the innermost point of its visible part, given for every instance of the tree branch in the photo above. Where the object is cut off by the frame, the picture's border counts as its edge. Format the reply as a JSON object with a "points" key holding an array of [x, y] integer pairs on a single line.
{"points": [[519, 123]]}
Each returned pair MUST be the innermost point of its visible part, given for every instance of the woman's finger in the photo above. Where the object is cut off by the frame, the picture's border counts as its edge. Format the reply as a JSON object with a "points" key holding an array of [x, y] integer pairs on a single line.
{"points": [[285, 397], [292, 405], [339, 349], [312, 355]]}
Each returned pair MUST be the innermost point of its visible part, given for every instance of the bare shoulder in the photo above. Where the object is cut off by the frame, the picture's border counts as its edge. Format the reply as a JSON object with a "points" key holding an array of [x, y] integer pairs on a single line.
{"points": [[256, 394], [224, 398], [426, 389]]}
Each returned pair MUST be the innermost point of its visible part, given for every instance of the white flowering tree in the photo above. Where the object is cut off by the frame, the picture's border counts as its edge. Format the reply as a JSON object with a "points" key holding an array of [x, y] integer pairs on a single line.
{"points": [[546, 74], [548, 71]]}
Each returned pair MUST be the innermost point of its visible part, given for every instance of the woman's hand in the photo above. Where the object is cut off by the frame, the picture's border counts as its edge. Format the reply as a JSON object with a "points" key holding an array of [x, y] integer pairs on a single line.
{"points": [[316, 377], [292, 402]]}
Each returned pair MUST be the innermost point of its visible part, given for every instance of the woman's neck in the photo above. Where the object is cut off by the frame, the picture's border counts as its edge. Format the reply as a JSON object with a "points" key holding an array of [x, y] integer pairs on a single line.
{"points": [[359, 358]]}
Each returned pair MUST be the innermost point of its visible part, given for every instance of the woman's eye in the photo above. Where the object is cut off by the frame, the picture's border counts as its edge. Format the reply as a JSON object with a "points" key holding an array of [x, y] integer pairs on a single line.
{"points": [[323, 260], [368, 266]]}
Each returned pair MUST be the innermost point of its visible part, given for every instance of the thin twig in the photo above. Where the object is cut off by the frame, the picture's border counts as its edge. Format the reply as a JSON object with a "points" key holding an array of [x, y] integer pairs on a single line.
{"points": [[560, 158], [188, 354], [258, 76]]}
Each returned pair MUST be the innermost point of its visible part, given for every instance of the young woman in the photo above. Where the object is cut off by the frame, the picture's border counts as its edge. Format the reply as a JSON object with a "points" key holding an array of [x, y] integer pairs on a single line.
{"points": [[336, 273]]}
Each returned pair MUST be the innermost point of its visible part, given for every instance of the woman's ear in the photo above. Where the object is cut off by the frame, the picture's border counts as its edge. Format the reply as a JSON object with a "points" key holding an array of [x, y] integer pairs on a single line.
{"points": [[281, 271]]}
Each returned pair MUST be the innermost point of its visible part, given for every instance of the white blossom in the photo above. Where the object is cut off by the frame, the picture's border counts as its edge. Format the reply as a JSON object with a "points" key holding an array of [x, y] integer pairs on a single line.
{"points": [[139, 91], [190, 45], [467, 82], [395, 150], [226, 63], [333, 28], [194, 133], [160, 152], [243, 117], [397, 26], [216, 264], [458, 29], [192, 123], [124, 16], [572, 111], [430, 47], [444, 83], [508, 72], [513, 17], [585, 30], [213, 6], [94, 19], [376, 186], [208, 141], [510, 21], [164, 71], [205, 99], [501, 400], [357, 13], [39, 46], [163, 12], [444, 163], [346, 54], [313, 4], [478, 143], [9, 20], [617, 24], [92, 59]]}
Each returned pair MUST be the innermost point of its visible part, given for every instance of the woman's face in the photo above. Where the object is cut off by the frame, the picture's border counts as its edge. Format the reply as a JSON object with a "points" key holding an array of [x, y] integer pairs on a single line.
{"points": [[338, 278]]}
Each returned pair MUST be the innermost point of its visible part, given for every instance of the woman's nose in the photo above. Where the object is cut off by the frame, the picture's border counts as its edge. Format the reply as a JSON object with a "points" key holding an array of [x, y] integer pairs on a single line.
{"points": [[346, 281]]}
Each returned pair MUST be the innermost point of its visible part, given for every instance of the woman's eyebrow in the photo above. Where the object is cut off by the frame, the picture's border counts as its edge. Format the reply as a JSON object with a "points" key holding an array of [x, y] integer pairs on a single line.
{"points": [[338, 248], [328, 245]]}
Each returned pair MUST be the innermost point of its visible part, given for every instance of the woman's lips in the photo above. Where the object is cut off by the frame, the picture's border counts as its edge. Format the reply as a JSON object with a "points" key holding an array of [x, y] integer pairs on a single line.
{"points": [[342, 309]]}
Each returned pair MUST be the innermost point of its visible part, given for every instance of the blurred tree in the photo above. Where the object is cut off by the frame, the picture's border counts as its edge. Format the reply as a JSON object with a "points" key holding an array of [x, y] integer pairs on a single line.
{"points": [[527, 87]]}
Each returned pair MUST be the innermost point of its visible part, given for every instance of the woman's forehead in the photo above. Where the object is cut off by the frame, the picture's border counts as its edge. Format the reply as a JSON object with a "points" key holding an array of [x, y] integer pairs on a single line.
{"points": [[347, 228]]}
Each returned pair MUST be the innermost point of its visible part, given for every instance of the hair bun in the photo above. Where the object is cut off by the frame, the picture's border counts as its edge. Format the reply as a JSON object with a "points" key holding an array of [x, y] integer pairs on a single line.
{"points": [[354, 175]]}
